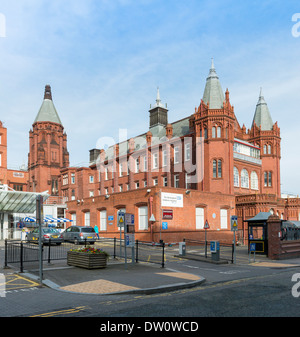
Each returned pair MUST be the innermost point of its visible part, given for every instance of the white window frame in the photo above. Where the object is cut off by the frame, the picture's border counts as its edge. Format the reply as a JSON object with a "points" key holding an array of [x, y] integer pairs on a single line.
{"points": [[254, 180], [199, 217], [187, 152], [224, 218], [143, 218], [176, 154], [236, 177], [103, 220], [244, 178], [87, 219]]}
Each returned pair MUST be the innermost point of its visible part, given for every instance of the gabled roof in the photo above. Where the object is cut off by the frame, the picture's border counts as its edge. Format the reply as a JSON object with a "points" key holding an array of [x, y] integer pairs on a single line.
{"points": [[47, 112], [213, 93], [262, 117]]}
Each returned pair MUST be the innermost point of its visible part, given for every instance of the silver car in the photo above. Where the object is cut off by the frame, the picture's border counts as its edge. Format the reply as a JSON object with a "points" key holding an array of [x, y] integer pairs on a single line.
{"points": [[49, 235], [80, 234]]}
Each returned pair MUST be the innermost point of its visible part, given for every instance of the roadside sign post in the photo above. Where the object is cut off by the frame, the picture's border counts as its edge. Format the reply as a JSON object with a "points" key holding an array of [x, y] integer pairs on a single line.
{"points": [[129, 235], [206, 226], [121, 221], [39, 220], [234, 228], [252, 249]]}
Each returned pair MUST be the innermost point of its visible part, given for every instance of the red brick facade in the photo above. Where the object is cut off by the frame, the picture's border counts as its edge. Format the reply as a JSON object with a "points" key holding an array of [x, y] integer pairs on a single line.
{"points": [[218, 167]]}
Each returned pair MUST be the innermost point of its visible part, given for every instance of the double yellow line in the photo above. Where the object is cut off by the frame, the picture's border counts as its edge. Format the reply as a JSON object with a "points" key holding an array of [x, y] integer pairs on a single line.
{"points": [[61, 312]]}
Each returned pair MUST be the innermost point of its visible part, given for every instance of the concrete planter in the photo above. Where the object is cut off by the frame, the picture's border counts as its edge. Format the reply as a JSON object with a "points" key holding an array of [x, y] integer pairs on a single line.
{"points": [[85, 260]]}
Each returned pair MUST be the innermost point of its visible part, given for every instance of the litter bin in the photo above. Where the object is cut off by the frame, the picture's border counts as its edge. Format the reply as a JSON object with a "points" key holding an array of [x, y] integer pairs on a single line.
{"points": [[215, 250], [182, 248]]}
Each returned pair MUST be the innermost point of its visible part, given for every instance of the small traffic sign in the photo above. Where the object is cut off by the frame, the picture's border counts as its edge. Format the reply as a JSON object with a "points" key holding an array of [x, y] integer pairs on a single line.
{"points": [[121, 219], [234, 223], [206, 226], [252, 247]]}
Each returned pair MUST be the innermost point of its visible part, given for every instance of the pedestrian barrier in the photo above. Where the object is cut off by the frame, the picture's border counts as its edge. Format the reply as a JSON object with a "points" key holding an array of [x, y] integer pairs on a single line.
{"points": [[23, 253], [203, 249]]}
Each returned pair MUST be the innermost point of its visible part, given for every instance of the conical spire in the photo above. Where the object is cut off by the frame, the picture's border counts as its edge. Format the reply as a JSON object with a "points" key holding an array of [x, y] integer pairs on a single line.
{"points": [[47, 112], [213, 93], [262, 117]]}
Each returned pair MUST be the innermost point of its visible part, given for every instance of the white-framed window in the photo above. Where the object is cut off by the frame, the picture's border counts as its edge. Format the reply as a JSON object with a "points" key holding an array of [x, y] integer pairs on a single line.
{"points": [[143, 218], [72, 178], [236, 177], [176, 154], [137, 185], [254, 180], [176, 181], [218, 132], [165, 181], [120, 188], [213, 133], [164, 158], [187, 181], [91, 193], [91, 179], [87, 218], [224, 218], [103, 220], [106, 173], [146, 163], [137, 165], [145, 183], [155, 181], [73, 218], [155, 160], [106, 190], [187, 152], [120, 169], [244, 178], [199, 218]]}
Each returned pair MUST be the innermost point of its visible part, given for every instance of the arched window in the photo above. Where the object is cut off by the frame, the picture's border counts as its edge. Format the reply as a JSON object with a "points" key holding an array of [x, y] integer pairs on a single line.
{"points": [[218, 132], [236, 177], [254, 181], [244, 178], [265, 149], [213, 134], [214, 169], [269, 149]]}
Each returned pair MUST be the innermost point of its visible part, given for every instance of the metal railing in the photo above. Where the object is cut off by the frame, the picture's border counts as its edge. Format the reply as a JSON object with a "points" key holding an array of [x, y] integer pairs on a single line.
{"points": [[202, 248], [22, 252]]}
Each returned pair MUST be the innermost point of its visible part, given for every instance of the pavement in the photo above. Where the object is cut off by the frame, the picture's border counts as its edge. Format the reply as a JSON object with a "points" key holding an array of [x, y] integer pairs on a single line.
{"points": [[116, 278]]}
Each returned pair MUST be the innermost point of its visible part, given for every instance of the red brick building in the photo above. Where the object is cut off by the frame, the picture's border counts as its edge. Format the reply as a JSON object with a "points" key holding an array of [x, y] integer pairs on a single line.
{"points": [[48, 152], [205, 166], [218, 168]]}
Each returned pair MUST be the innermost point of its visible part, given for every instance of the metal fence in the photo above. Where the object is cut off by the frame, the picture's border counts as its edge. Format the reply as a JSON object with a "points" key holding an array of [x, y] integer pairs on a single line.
{"points": [[22, 252], [202, 249]]}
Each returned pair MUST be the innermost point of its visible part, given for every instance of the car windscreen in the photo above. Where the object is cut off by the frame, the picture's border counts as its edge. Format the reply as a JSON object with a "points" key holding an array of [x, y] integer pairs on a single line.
{"points": [[88, 230]]}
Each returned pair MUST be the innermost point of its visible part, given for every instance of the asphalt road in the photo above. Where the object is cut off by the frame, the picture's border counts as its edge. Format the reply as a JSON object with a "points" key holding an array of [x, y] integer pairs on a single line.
{"points": [[240, 290]]}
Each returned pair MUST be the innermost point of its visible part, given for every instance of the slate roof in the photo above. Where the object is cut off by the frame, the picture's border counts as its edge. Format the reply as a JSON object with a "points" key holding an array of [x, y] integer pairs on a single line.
{"points": [[262, 116], [213, 92]]}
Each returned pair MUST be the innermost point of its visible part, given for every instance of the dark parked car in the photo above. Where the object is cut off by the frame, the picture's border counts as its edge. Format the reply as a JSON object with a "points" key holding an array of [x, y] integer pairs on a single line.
{"points": [[80, 234], [48, 235]]}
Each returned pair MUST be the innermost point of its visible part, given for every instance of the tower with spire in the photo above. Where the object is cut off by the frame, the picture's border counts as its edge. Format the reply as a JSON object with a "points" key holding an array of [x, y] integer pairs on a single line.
{"points": [[214, 121], [158, 113], [266, 134], [48, 152]]}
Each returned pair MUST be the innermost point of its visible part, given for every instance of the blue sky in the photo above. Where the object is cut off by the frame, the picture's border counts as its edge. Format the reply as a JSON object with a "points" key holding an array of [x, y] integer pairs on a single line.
{"points": [[105, 58]]}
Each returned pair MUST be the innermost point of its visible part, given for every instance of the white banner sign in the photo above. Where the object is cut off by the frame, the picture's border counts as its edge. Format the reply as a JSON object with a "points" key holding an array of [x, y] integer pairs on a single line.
{"points": [[171, 200]]}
